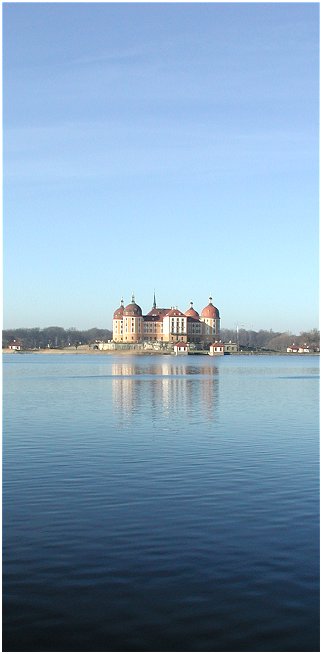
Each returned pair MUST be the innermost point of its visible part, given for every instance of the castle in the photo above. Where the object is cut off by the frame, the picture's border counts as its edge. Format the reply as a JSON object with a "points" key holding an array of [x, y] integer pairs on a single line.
{"points": [[165, 325]]}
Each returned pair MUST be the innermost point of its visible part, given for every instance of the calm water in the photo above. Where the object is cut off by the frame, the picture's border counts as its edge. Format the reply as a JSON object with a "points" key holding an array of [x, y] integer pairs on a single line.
{"points": [[160, 503]]}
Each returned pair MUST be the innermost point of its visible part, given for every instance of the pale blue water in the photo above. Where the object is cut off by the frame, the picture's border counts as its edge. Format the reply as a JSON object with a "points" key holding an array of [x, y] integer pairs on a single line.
{"points": [[160, 503]]}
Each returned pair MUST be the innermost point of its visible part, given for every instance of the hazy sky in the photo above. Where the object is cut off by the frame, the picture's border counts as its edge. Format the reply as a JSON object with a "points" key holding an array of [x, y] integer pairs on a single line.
{"points": [[161, 146]]}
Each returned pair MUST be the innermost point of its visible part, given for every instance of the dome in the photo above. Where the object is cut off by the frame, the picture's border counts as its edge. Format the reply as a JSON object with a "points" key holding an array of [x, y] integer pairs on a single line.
{"points": [[133, 309], [118, 313], [191, 312], [210, 311]]}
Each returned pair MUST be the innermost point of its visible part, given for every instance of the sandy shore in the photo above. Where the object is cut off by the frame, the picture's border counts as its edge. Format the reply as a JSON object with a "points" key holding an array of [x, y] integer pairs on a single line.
{"points": [[83, 349], [66, 350]]}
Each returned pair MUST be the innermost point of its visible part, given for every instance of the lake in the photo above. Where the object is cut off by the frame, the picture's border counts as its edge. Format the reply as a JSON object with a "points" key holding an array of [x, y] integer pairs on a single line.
{"points": [[160, 503]]}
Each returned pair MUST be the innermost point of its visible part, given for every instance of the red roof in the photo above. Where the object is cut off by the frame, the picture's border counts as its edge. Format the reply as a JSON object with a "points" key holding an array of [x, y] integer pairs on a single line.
{"points": [[133, 309], [192, 313], [175, 312], [157, 312], [119, 313], [154, 318], [210, 311]]}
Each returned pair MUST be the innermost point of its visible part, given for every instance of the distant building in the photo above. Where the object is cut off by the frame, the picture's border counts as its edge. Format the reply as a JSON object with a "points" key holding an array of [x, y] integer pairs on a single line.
{"points": [[16, 344], [301, 349], [165, 325], [230, 348], [217, 348], [181, 348], [292, 348]]}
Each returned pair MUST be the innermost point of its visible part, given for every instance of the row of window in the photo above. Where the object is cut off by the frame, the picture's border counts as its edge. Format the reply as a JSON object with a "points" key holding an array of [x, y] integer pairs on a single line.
{"points": [[149, 329], [152, 327], [177, 327]]}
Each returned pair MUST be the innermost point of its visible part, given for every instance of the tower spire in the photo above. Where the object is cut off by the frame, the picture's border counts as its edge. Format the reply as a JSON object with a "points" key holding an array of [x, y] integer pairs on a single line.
{"points": [[154, 301]]}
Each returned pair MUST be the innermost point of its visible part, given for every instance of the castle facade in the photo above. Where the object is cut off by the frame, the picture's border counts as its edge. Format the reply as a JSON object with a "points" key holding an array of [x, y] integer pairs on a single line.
{"points": [[165, 325]]}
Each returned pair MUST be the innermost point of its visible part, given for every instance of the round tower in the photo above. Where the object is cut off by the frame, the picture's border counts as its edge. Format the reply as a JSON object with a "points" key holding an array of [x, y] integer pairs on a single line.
{"points": [[118, 323], [211, 319], [132, 322], [191, 312]]}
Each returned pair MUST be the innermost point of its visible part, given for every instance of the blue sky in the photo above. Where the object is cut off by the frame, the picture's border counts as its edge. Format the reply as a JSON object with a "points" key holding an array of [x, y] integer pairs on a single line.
{"points": [[161, 146]]}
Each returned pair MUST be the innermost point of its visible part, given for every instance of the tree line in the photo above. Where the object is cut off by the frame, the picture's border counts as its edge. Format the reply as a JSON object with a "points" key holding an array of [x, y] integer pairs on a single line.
{"points": [[54, 337], [58, 337], [270, 340]]}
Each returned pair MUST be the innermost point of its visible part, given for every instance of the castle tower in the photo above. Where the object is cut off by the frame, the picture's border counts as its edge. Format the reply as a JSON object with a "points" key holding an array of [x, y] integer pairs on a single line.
{"points": [[118, 323], [132, 322], [211, 319]]}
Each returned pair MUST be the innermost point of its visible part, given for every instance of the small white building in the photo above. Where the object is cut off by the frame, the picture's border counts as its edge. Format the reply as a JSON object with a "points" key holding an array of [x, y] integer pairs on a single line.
{"points": [[217, 348], [292, 348], [181, 348], [15, 345], [230, 348], [304, 349], [101, 345]]}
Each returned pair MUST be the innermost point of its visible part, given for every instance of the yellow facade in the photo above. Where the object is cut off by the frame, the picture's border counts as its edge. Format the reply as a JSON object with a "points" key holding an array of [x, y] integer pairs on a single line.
{"points": [[165, 325]]}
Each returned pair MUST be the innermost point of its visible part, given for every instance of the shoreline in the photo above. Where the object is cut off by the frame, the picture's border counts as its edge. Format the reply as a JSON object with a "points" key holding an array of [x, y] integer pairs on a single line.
{"points": [[89, 351]]}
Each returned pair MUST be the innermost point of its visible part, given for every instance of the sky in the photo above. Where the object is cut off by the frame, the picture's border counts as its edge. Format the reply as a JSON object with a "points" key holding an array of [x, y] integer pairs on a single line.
{"points": [[167, 147]]}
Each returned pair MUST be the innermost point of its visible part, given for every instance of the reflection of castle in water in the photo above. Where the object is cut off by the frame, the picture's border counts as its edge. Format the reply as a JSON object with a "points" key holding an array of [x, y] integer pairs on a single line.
{"points": [[159, 390]]}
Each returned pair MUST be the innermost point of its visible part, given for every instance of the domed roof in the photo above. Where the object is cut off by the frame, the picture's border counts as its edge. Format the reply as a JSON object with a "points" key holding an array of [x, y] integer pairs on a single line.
{"points": [[133, 309], [118, 313], [210, 311], [191, 312]]}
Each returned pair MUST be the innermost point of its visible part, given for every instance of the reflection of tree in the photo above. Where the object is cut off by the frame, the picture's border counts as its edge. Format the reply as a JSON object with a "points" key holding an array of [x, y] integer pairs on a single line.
{"points": [[166, 391]]}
